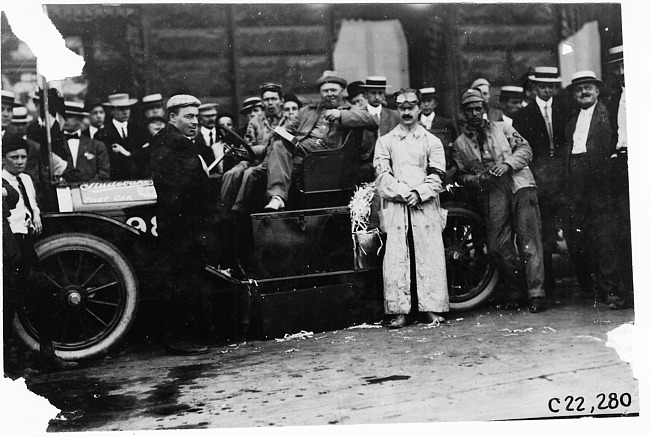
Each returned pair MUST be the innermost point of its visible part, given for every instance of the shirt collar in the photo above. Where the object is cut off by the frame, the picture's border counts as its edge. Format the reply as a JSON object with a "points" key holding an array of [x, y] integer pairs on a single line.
{"points": [[589, 111], [8, 176], [120, 124], [374, 111], [541, 103], [206, 131], [402, 133], [471, 132]]}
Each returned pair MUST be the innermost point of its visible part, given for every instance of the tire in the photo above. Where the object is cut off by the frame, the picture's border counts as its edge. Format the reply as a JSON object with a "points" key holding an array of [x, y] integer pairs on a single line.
{"points": [[90, 294], [472, 275]]}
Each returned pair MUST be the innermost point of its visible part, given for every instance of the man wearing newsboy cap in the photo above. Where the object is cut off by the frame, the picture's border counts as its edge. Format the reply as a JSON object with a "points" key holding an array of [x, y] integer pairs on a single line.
{"points": [[187, 216], [592, 226], [321, 126], [493, 159]]}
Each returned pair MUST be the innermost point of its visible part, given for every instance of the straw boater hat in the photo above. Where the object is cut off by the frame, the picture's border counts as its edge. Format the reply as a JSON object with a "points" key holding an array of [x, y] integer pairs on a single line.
{"points": [[426, 93], [152, 100], [375, 82], [21, 116], [585, 76], [251, 103], [330, 76], [615, 54], [512, 91], [546, 75], [9, 98], [120, 99], [75, 108]]}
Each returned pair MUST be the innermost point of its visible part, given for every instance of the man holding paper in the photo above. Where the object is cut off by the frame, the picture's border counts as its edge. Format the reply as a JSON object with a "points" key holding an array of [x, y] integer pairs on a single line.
{"points": [[320, 126]]}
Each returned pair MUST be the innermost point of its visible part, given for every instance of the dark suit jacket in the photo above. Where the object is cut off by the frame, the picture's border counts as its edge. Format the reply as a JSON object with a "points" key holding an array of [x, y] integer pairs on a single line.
{"points": [[612, 108], [204, 150], [529, 122], [123, 167], [387, 121], [93, 163], [444, 123], [599, 150]]}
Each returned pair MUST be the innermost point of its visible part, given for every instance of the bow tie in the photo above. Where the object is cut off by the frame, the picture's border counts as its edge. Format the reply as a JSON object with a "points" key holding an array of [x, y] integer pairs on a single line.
{"points": [[71, 136]]}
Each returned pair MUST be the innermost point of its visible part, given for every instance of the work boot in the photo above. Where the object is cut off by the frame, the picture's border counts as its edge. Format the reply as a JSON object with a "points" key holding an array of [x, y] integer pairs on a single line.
{"points": [[276, 204], [431, 317], [537, 304], [398, 322], [49, 361]]}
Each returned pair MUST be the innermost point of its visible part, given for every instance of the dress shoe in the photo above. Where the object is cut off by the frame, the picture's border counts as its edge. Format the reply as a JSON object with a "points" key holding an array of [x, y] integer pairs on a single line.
{"points": [[276, 204], [537, 305], [431, 317], [398, 322], [185, 348]]}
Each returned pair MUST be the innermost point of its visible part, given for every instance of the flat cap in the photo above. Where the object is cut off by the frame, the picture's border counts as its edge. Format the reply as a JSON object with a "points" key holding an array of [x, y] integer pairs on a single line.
{"points": [[480, 81], [471, 96], [271, 86], [183, 100], [330, 76], [12, 142]]}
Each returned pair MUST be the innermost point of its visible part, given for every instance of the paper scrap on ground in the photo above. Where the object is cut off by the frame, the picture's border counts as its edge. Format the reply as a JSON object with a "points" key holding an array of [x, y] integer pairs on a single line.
{"points": [[622, 340], [364, 326], [297, 336]]}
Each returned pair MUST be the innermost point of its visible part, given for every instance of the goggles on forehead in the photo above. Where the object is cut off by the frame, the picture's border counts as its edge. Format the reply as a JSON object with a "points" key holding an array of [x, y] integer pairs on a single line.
{"points": [[407, 100]]}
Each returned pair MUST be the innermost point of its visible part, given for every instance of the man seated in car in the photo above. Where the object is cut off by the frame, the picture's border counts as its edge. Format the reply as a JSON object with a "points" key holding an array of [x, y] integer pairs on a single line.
{"points": [[320, 126]]}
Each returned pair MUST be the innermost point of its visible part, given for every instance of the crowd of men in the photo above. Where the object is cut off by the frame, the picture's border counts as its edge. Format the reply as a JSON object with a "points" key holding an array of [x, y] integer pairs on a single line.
{"points": [[533, 161]]}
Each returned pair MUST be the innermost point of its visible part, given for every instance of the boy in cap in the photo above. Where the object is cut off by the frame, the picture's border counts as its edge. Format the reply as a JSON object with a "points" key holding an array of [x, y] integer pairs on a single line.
{"points": [[251, 107], [493, 159], [97, 118], [429, 118], [410, 166], [291, 105], [511, 100], [356, 94]]}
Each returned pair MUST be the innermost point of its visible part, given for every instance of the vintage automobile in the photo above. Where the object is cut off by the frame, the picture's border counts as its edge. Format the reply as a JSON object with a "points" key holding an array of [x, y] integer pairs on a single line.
{"points": [[304, 268]]}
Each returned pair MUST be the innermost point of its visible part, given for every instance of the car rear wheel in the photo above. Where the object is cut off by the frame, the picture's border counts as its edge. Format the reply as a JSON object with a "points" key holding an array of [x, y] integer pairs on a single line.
{"points": [[472, 275], [85, 292]]}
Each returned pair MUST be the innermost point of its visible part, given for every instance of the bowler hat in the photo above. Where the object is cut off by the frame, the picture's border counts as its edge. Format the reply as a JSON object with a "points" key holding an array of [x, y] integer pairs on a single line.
{"points": [[615, 54], [546, 75], [120, 99], [9, 98], [375, 82], [251, 103], [585, 76], [355, 88], [75, 108], [152, 100], [330, 76], [21, 116], [183, 100], [472, 95]]}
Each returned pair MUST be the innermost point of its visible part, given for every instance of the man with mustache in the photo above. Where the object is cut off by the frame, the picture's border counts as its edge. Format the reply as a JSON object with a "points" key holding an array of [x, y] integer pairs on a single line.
{"points": [[592, 230], [410, 166], [493, 158], [320, 126]]}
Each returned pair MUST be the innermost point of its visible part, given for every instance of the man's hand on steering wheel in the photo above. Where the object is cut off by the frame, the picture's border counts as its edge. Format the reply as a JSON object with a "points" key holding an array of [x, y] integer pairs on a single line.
{"points": [[236, 145]]}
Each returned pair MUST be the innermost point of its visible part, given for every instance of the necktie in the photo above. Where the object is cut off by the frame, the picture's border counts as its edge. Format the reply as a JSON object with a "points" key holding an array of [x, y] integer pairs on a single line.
{"points": [[23, 193], [211, 139], [71, 136], [549, 128], [123, 132]]}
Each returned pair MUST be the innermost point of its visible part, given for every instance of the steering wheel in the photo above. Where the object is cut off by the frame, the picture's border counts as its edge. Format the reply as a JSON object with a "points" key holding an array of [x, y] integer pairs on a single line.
{"points": [[236, 145]]}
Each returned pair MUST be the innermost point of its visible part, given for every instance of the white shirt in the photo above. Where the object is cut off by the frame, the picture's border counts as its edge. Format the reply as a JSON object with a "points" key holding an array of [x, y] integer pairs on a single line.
{"points": [[19, 218], [73, 145], [426, 120], [582, 130], [92, 130], [217, 147], [541, 103], [507, 120], [206, 135], [376, 111], [121, 125], [622, 123]]}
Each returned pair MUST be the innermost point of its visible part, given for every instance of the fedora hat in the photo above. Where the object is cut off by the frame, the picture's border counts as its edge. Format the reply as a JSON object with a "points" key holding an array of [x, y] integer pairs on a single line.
{"points": [[9, 98], [615, 54], [585, 76], [120, 99], [355, 88], [546, 75], [251, 103], [375, 82], [21, 116], [330, 76], [75, 108]]}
